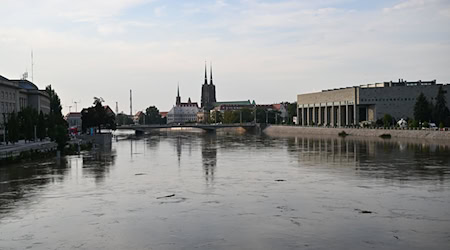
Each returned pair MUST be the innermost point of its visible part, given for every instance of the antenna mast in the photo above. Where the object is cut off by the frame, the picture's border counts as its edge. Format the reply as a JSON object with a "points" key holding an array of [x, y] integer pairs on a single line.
{"points": [[32, 66], [131, 103]]}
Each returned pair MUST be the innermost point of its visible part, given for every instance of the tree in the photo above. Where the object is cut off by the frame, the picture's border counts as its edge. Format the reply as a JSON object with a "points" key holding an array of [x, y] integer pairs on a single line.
{"points": [[152, 115], [123, 119], [292, 111], [387, 120], [422, 109], [97, 116], [228, 116], [61, 136], [441, 112], [13, 128], [28, 119], [41, 126], [55, 120], [215, 117]]}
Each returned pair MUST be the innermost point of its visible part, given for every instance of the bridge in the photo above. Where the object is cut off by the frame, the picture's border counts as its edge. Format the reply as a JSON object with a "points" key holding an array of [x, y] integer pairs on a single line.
{"points": [[208, 127]]}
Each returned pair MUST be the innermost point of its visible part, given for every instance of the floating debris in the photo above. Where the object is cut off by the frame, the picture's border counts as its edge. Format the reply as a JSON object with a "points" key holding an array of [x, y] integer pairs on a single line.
{"points": [[364, 211], [280, 180], [167, 196], [140, 174]]}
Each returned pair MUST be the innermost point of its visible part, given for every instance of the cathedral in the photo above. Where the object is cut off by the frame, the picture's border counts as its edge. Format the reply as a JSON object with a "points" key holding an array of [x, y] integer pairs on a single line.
{"points": [[208, 92]]}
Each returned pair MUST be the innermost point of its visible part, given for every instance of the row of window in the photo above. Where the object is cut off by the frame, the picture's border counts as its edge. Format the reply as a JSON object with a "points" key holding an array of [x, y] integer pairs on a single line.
{"points": [[387, 99], [7, 107], [5, 95]]}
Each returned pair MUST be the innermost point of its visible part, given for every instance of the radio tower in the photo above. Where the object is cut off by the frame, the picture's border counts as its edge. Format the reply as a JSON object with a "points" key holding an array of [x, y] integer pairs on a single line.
{"points": [[32, 66], [131, 103]]}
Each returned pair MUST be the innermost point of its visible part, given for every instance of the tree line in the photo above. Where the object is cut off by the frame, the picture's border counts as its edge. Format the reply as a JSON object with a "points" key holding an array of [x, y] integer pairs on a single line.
{"points": [[29, 123], [426, 111]]}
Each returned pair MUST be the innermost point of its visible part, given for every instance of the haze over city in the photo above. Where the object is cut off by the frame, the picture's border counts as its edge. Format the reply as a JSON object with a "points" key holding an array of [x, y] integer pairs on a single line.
{"points": [[268, 51]]}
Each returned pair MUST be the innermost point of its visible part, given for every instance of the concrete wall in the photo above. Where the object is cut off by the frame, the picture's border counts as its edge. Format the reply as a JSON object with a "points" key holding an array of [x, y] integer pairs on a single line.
{"points": [[319, 131], [339, 95], [398, 101]]}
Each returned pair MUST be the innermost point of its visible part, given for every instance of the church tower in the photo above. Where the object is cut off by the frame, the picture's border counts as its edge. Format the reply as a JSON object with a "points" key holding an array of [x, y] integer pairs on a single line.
{"points": [[212, 88], [178, 99], [208, 91]]}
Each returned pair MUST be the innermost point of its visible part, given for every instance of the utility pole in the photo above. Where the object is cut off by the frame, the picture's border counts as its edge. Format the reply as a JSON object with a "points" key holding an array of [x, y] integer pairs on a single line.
{"points": [[76, 105], [254, 113], [267, 116], [131, 103], [32, 66], [240, 115]]}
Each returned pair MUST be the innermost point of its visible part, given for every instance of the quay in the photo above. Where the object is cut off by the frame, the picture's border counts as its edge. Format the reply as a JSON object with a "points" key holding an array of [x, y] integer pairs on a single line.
{"points": [[14, 150]]}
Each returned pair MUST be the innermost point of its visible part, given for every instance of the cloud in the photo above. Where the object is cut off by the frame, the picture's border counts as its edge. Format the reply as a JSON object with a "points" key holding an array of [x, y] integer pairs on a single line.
{"points": [[278, 47], [410, 5]]}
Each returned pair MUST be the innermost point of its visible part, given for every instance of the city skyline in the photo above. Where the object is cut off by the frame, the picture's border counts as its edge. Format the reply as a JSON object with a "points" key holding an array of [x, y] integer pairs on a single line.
{"points": [[263, 50]]}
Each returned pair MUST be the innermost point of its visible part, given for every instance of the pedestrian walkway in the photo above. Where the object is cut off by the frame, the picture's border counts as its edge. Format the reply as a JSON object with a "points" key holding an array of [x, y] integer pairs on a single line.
{"points": [[21, 146]]}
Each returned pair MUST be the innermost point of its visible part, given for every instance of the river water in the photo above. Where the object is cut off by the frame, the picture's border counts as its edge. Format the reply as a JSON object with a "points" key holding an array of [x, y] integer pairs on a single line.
{"points": [[205, 191]]}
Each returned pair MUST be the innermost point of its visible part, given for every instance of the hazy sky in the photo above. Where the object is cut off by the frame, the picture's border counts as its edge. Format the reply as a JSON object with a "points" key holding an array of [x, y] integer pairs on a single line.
{"points": [[263, 50]]}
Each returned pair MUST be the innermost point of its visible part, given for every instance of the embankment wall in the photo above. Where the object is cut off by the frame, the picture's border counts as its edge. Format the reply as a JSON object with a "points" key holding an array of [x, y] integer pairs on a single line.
{"points": [[363, 132]]}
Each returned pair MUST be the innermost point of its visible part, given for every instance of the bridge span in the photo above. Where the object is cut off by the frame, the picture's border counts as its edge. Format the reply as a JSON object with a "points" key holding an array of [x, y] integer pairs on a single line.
{"points": [[207, 127]]}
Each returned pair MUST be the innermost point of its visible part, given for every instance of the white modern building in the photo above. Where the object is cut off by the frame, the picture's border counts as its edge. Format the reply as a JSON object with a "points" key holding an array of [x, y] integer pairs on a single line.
{"points": [[183, 112], [369, 102]]}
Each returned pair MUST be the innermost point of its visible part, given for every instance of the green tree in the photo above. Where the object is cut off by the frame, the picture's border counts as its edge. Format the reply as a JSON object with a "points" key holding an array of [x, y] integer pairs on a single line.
{"points": [[28, 119], [123, 119], [229, 116], [152, 115], [260, 115], [97, 117], [215, 117], [41, 126], [441, 112], [247, 115], [292, 111], [13, 128], [55, 118], [387, 120], [61, 136], [422, 109]]}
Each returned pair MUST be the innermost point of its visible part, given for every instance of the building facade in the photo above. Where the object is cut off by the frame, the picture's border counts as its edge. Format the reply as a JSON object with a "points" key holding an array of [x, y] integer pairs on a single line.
{"points": [[370, 102], [74, 120], [183, 112], [15, 95]]}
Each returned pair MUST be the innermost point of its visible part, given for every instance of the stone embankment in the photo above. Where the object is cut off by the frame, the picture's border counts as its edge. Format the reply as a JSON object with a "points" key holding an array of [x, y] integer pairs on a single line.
{"points": [[360, 132], [15, 150]]}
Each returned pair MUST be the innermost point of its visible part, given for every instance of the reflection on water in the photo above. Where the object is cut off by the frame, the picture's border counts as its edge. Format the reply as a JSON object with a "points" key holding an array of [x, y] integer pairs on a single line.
{"points": [[208, 191], [209, 157], [385, 159]]}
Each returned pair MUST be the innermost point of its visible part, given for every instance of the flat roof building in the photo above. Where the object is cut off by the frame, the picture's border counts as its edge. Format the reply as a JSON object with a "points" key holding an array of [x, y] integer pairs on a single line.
{"points": [[351, 105]]}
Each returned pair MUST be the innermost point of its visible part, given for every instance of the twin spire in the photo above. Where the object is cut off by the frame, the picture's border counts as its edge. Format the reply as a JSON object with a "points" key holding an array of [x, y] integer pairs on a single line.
{"points": [[210, 74]]}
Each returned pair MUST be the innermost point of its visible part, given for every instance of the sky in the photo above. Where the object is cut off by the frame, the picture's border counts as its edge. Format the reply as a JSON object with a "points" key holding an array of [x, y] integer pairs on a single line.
{"points": [[267, 51]]}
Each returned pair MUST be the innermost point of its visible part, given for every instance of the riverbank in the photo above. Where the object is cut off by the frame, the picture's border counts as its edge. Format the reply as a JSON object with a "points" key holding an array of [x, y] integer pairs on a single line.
{"points": [[361, 132], [22, 150]]}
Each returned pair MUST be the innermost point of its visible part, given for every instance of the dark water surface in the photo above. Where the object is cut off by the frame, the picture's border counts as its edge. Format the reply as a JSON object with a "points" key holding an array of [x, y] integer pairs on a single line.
{"points": [[205, 191]]}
